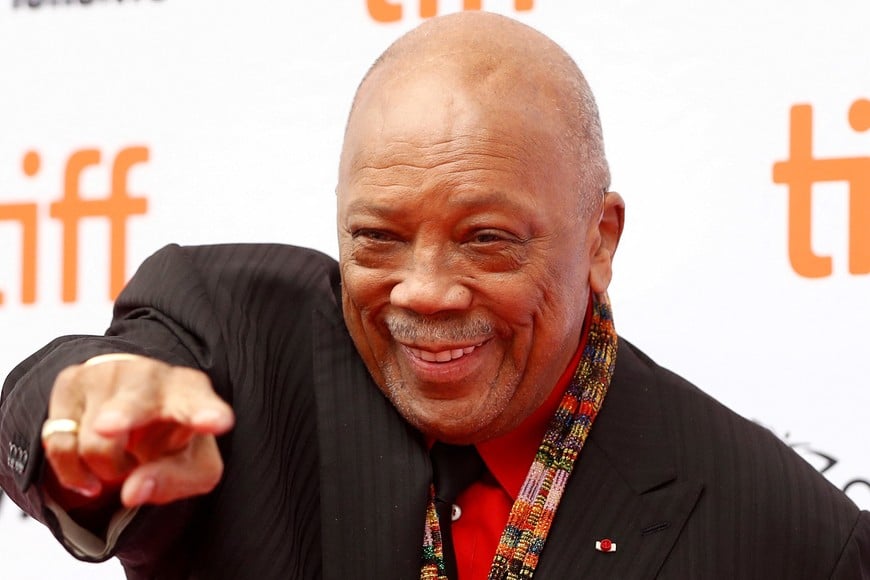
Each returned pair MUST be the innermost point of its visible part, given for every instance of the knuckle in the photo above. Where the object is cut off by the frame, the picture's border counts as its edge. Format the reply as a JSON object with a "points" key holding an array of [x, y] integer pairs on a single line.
{"points": [[68, 373], [65, 382], [107, 460], [107, 469], [155, 369], [93, 446], [190, 378], [133, 399]]}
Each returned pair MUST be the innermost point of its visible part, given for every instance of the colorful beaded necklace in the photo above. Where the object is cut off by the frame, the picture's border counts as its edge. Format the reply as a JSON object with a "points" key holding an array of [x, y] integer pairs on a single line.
{"points": [[532, 513]]}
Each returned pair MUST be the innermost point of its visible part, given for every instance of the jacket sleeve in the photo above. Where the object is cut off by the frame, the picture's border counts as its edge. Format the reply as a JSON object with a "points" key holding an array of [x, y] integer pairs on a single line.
{"points": [[166, 313]]}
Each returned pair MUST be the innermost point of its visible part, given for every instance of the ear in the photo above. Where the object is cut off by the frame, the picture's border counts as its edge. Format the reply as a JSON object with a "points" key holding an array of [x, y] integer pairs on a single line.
{"points": [[608, 234]]}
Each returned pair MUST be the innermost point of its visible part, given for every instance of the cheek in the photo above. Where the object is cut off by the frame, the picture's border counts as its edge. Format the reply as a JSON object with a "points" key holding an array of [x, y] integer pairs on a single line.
{"points": [[549, 290], [357, 291], [365, 289], [365, 294], [562, 289], [569, 268]]}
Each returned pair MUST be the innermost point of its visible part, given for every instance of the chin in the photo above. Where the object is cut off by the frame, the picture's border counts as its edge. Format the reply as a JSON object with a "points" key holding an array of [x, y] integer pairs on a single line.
{"points": [[446, 421], [462, 420], [456, 426]]}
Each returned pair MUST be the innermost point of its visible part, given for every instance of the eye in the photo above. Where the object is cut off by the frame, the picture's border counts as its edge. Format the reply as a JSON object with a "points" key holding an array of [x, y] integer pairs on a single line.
{"points": [[487, 238], [372, 235], [495, 249], [490, 237]]}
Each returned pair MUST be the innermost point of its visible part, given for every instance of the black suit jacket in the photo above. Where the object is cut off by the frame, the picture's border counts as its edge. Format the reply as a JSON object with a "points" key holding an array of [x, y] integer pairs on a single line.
{"points": [[324, 479]]}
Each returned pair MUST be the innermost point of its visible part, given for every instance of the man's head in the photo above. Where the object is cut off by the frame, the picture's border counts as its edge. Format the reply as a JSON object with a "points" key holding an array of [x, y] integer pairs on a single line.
{"points": [[472, 222]]}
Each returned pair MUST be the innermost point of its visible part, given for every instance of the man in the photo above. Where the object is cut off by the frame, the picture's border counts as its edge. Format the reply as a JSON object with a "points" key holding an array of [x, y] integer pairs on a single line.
{"points": [[261, 412]]}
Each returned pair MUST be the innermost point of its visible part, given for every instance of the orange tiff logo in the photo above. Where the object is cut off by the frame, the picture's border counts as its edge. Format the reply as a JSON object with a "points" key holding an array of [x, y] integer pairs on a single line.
{"points": [[801, 170], [70, 209], [386, 11]]}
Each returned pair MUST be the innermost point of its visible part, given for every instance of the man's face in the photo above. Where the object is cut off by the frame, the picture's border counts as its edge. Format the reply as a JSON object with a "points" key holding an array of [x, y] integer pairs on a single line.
{"points": [[464, 263]]}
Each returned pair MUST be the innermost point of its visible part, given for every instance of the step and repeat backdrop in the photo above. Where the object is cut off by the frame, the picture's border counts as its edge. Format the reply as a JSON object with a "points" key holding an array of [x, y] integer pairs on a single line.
{"points": [[739, 136]]}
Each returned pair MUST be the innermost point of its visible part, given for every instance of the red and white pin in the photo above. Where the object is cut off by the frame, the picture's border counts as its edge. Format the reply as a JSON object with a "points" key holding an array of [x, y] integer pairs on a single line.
{"points": [[605, 545]]}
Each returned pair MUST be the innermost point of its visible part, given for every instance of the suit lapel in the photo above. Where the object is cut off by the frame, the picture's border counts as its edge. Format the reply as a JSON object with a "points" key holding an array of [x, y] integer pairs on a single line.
{"points": [[374, 471], [623, 488]]}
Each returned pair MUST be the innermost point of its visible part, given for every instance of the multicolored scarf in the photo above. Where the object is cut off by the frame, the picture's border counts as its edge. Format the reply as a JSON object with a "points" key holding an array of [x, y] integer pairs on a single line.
{"points": [[532, 513]]}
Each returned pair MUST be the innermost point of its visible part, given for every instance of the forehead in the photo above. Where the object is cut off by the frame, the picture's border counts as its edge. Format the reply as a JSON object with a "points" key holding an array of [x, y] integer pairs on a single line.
{"points": [[438, 132], [425, 119]]}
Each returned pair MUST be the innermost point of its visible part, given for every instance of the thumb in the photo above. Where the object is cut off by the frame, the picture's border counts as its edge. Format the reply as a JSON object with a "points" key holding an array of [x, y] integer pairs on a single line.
{"points": [[196, 470]]}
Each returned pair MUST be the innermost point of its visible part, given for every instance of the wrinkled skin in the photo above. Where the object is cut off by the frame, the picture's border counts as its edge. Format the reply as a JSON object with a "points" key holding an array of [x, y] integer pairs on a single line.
{"points": [[466, 265]]}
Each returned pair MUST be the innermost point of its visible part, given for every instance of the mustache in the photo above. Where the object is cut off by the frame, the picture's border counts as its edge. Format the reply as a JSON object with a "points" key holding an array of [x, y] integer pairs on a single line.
{"points": [[414, 328]]}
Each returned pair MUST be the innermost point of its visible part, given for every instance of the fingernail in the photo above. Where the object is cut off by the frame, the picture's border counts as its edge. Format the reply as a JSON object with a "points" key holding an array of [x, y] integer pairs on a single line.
{"points": [[144, 492], [90, 489]]}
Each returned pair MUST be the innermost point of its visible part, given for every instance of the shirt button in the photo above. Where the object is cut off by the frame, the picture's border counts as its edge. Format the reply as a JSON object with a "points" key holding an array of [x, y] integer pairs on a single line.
{"points": [[455, 512]]}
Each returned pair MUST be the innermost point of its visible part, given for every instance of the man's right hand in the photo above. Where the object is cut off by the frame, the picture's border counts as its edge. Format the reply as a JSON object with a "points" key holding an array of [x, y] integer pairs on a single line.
{"points": [[144, 427]]}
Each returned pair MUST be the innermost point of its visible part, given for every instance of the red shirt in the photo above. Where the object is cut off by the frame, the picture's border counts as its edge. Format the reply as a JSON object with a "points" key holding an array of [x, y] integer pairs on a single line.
{"points": [[486, 504]]}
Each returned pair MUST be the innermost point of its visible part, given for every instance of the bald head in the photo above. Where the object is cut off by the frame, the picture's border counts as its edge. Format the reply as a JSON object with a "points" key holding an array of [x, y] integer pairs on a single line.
{"points": [[505, 66], [472, 223]]}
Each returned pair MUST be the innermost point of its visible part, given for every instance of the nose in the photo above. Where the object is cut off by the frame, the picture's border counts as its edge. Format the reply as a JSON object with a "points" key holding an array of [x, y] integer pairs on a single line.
{"points": [[429, 286]]}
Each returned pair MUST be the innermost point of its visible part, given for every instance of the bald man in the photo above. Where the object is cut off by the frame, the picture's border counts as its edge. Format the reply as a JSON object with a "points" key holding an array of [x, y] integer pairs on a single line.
{"points": [[263, 412]]}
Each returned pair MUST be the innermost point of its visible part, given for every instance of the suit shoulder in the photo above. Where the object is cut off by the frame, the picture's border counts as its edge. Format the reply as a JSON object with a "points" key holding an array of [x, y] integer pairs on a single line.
{"points": [[245, 269], [704, 425], [750, 476], [254, 258]]}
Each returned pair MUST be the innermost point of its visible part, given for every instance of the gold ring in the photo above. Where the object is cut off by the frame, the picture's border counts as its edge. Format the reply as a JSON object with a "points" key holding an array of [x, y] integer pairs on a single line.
{"points": [[54, 426]]}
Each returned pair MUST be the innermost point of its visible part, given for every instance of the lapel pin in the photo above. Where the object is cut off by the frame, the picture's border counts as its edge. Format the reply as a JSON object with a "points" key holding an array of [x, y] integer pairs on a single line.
{"points": [[605, 545]]}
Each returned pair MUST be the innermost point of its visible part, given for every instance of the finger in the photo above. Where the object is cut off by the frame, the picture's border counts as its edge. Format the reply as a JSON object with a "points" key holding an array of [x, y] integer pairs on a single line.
{"points": [[106, 457], [194, 471], [157, 439], [164, 393], [135, 396], [61, 449], [191, 400], [62, 454]]}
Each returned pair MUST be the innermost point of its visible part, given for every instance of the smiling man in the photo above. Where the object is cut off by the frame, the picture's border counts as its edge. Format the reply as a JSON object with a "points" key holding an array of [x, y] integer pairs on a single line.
{"points": [[471, 224], [449, 400]]}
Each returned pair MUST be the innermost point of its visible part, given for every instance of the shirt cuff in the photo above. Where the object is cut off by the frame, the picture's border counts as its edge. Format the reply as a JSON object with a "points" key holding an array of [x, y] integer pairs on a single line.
{"points": [[81, 542]]}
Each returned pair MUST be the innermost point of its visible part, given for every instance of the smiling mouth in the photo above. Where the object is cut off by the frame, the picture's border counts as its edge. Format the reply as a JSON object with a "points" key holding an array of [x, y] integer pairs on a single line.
{"points": [[442, 356]]}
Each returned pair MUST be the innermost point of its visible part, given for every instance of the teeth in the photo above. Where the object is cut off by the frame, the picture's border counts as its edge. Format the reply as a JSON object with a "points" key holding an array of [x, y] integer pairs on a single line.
{"points": [[444, 355]]}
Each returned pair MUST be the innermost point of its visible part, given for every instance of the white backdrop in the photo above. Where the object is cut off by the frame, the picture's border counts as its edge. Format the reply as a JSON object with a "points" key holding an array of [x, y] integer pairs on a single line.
{"points": [[239, 108]]}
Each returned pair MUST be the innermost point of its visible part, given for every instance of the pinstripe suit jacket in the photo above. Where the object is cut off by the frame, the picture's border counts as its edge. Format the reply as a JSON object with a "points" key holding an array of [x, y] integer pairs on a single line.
{"points": [[324, 479]]}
